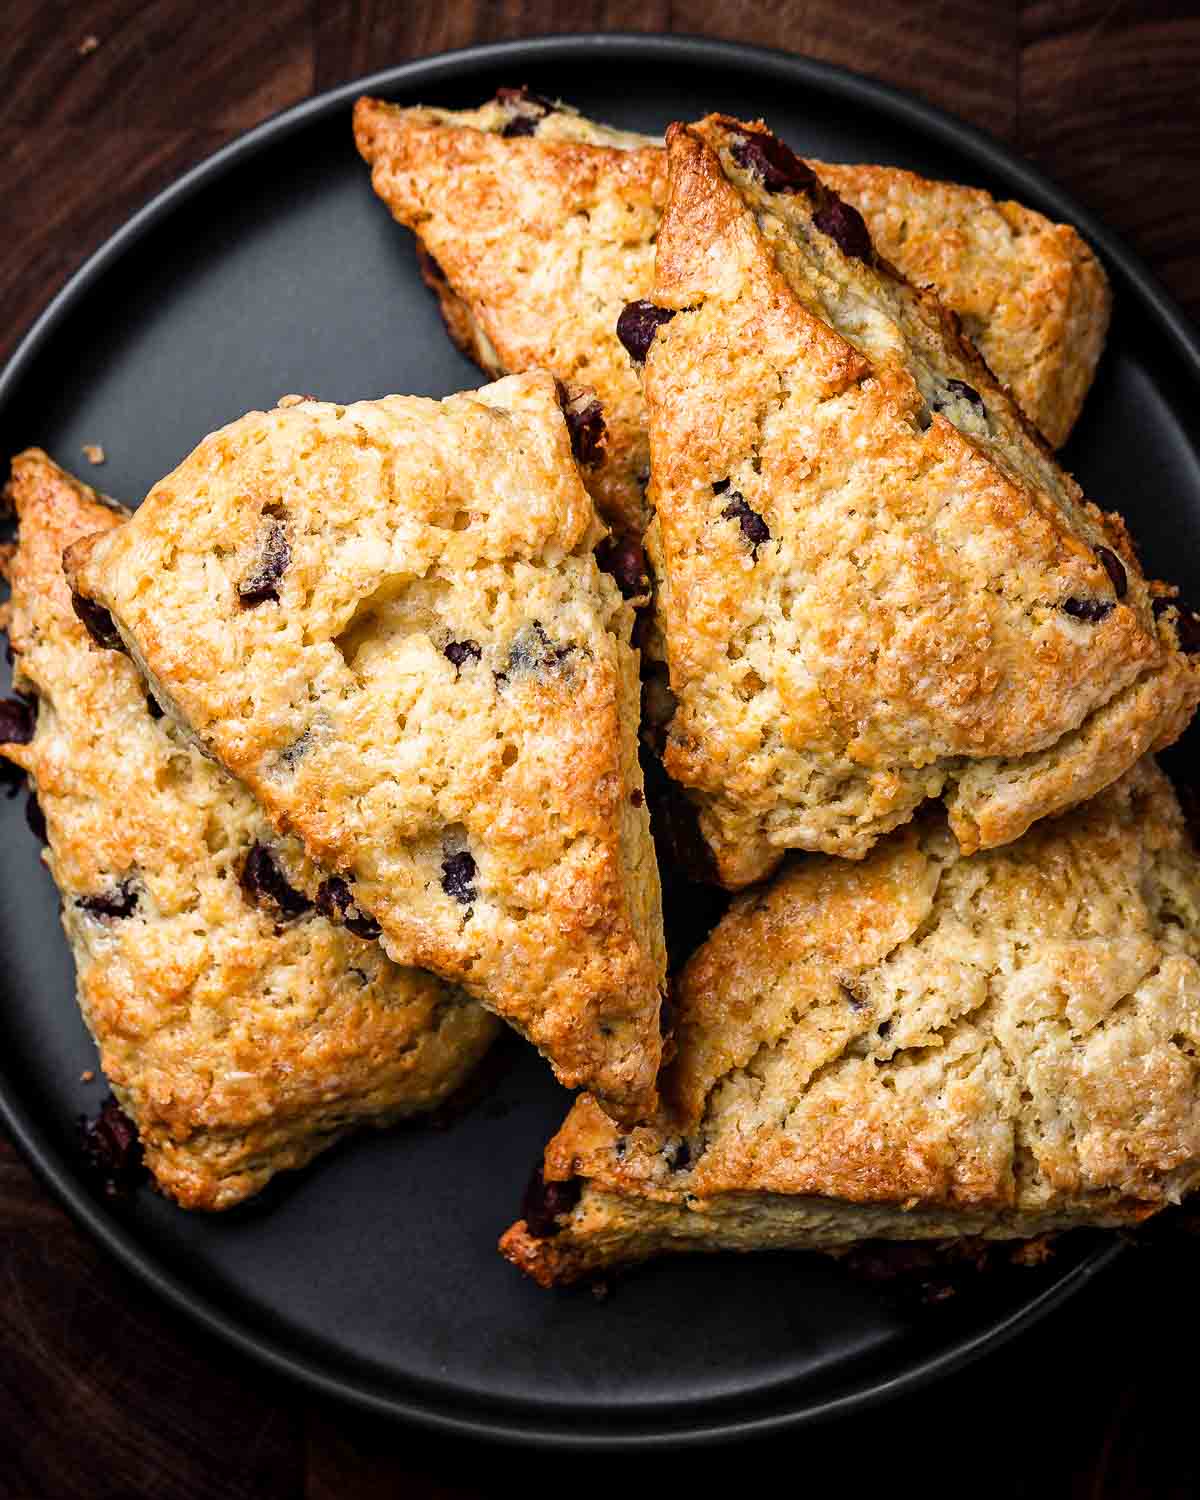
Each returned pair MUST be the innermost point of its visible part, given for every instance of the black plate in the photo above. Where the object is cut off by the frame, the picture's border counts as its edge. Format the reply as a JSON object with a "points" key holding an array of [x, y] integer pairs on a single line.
{"points": [[372, 1276]]}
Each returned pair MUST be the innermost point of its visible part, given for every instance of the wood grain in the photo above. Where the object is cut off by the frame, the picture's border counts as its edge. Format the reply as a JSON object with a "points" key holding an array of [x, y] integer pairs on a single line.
{"points": [[106, 1394]]}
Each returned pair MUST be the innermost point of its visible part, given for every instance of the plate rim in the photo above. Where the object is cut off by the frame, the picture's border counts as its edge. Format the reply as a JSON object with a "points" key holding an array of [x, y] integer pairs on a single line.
{"points": [[52, 1166]]}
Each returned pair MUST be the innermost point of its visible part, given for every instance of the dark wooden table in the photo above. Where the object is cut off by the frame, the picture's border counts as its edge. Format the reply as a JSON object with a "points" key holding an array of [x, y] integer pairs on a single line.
{"points": [[105, 1394]]}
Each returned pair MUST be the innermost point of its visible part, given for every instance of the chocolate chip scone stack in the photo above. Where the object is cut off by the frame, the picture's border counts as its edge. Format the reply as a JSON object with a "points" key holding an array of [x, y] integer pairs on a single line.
{"points": [[243, 1026]]}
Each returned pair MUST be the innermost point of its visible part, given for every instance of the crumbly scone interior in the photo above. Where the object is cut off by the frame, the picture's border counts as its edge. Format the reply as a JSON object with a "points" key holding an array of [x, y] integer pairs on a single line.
{"points": [[243, 1036], [921, 1045], [438, 696], [875, 584]]}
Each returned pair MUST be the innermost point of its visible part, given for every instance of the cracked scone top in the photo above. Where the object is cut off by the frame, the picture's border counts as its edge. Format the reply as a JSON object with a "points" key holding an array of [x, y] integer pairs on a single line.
{"points": [[386, 620], [918, 1046], [875, 585], [241, 1030], [537, 227]]}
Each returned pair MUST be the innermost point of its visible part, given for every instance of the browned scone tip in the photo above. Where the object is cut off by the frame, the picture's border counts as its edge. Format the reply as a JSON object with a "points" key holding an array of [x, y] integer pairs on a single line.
{"points": [[917, 1047], [875, 585], [386, 619]]}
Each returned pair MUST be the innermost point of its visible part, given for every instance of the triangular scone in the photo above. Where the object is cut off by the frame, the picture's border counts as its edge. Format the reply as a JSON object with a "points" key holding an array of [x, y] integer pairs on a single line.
{"points": [[537, 227], [875, 585], [386, 620], [537, 243], [241, 1030], [920, 1046]]}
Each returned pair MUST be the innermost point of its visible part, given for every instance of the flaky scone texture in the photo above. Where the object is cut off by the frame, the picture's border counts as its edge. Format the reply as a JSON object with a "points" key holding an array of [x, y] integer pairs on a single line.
{"points": [[534, 241], [875, 585], [241, 1038], [387, 621], [920, 1046], [537, 242], [1032, 296]]}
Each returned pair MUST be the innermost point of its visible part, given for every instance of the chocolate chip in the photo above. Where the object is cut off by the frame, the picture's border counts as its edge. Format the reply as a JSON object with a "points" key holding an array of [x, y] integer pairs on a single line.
{"points": [[624, 558], [1187, 623], [636, 797], [259, 584], [17, 721], [458, 877], [754, 528], [1115, 569], [111, 1148], [720, 486], [679, 1156], [121, 901], [780, 169], [545, 1201], [98, 623], [152, 706], [335, 902], [967, 392], [528, 109], [429, 266], [585, 423], [1089, 610], [846, 227], [637, 325], [36, 818], [532, 651], [263, 882], [457, 652]]}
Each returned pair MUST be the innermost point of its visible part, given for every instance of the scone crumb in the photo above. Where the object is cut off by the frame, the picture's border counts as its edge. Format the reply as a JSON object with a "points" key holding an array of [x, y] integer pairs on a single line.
{"points": [[94, 453], [88, 45], [294, 400], [88, 1075]]}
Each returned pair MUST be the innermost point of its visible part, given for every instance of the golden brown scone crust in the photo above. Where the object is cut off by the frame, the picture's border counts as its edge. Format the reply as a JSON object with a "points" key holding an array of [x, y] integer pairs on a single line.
{"points": [[488, 809], [239, 1040], [537, 242], [1032, 296], [534, 244], [875, 585], [918, 1046]]}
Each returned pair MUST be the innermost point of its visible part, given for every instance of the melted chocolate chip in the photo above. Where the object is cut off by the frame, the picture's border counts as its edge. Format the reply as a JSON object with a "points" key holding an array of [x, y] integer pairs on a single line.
{"points": [[36, 818], [336, 904], [457, 652], [754, 528], [624, 559], [636, 797], [532, 651], [259, 584], [528, 109], [545, 1201], [637, 325], [263, 882], [98, 623], [720, 486], [111, 1148], [967, 392], [17, 721], [585, 422], [458, 877], [780, 169], [1187, 623], [1115, 569], [429, 267], [1089, 610], [679, 1156], [152, 706], [846, 227], [121, 901]]}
